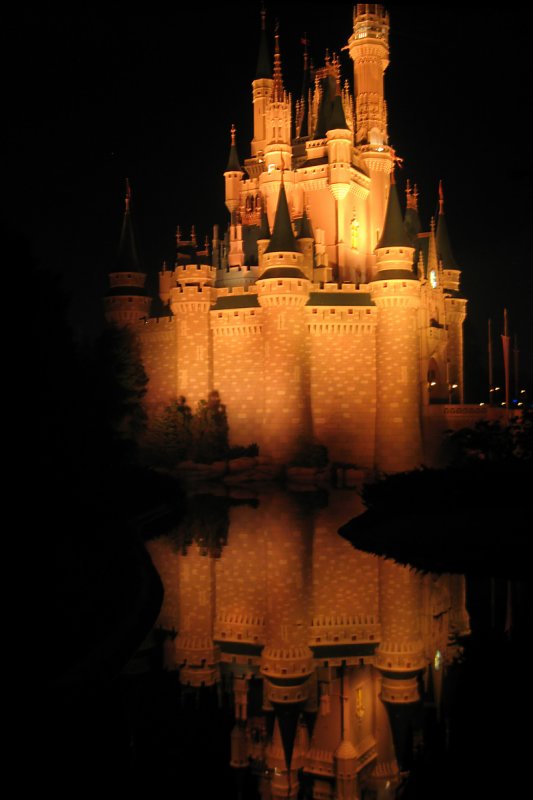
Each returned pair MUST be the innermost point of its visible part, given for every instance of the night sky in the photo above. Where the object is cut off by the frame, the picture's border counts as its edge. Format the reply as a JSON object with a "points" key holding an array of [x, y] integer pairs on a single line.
{"points": [[152, 95]]}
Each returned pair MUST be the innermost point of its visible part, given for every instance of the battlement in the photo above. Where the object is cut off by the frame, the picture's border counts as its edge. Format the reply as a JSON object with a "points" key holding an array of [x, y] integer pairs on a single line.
{"points": [[344, 630], [199, 273], [370, 21], [240, 627], [400, 656]]}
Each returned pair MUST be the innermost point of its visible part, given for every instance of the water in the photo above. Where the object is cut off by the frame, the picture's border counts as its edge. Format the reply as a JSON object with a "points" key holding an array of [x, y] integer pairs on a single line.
{"points": [[294, 664]]}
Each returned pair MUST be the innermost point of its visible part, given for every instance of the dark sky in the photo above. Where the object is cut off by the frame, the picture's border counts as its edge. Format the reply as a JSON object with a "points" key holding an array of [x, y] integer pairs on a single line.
{"points": [[152, 95]]}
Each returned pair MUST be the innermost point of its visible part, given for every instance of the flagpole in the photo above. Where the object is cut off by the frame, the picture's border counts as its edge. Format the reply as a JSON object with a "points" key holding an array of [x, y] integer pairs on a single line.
{"points": [[505, 344], [516, 354], [491, 381]]}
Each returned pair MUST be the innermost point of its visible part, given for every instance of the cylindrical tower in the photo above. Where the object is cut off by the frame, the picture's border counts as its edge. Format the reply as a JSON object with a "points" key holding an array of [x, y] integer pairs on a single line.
{"points": [[127, 300], [400, 655], [190, 302], [396, 293], [283, 291], [369, 49]]}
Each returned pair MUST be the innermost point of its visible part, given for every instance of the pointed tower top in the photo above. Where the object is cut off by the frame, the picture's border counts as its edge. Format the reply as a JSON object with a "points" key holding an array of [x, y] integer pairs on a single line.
{"points": [[127, 259], [305, 227], [278, 92], [264, 230], [394, 233], [233, 160], [263, 69], [127, 199], [337, 119], [444, 249], [282, 240]]}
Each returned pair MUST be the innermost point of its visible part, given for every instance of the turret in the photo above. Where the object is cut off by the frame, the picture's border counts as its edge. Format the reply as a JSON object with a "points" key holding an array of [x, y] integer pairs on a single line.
{"points": [[455, 307], [306, 245], [233, 176], [396, 293], [278, 151], [283, 290], [191, 298], [262, 91], [127, 300], [369, 49]]}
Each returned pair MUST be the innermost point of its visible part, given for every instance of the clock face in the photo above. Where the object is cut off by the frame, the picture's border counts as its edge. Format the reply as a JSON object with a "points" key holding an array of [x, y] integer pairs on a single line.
{"points": [[433, 278]]}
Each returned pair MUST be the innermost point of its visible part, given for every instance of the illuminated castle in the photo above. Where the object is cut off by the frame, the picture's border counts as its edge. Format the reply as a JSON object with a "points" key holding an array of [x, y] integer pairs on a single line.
{"points": [[323, 313]]}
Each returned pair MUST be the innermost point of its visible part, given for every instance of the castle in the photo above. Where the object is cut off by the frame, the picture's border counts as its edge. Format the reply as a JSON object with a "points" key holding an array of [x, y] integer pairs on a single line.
{"points": [[323, 314]]}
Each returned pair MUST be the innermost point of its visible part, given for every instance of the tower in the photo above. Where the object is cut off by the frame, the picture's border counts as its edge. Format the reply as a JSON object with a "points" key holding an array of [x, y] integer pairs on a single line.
{"points": [[396, 292], [283, 291], [369, 49], [127, 300]]}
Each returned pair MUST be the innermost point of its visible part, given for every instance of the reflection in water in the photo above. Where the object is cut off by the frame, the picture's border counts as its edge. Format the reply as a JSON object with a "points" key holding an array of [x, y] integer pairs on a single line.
{"points": [[325, 651]]}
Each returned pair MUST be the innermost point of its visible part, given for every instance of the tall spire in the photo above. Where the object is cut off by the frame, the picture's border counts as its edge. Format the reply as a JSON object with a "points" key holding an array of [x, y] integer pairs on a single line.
{"points": [[263, 69], [282, 240], [278, 91], [127, 255], [394, 233], [444, 249], [233, 160]]}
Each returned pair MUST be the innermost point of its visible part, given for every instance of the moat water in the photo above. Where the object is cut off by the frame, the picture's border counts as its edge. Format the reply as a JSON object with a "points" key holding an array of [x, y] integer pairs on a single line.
{"points": [[397, 698]]}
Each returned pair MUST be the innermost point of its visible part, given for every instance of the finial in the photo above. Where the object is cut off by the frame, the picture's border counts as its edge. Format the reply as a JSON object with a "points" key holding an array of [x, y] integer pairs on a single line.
{"points": [[278, 78], [421, 274], [233, 132], [178, 234], [193, 235], [412, 196], [432, 225], [263, 17], [441, 199], [127, 199], [164, 266], [206, 242]]}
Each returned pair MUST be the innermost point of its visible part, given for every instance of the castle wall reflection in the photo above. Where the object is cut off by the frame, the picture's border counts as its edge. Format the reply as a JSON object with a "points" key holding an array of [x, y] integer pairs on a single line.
{"points": [[327, 652]]}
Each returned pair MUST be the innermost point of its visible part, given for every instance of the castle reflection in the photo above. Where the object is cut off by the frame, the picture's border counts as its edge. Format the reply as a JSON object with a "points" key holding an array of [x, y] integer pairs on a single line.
{"points": [[328, 654]]}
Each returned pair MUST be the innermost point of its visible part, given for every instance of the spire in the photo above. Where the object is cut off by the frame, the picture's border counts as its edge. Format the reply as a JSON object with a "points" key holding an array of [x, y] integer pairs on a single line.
{"points": [[444, 250], [127, 257], [264, 230], [263, 69], [305, 227], [337, 119], [233, 160], [302, 122], [394, 233], [282, 234], [278, 91]]}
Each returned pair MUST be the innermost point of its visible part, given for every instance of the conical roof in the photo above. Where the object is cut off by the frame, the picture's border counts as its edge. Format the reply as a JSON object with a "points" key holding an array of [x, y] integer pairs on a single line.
{"points": [[264, 228], [282, 240], [330, 111], [233, 160], [127, 258], [394, 233], [444, 249], [263, 69], [305, 227]]}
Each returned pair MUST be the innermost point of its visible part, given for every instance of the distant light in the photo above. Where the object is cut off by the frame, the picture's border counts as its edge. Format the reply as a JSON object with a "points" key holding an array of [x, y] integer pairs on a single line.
{"points": [[520, 403], [381, 149], [454, 385], [502, 404], [497, 389], [522, 391], [482, 404], [433, 383], [437, 660]]}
